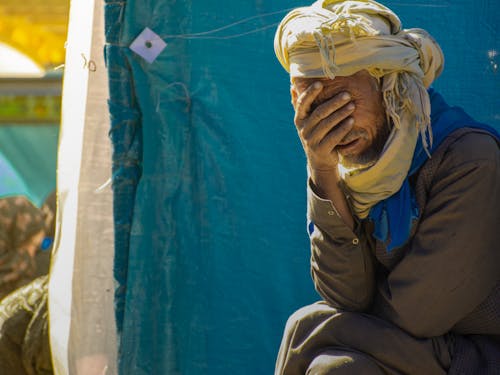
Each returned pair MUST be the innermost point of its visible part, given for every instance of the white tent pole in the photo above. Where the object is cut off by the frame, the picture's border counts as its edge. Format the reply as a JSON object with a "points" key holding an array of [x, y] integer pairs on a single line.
{"points": [[81, 284]]}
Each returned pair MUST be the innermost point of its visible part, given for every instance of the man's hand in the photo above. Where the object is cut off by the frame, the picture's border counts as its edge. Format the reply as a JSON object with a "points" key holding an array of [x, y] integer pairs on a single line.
{"points": [[321, 130]]}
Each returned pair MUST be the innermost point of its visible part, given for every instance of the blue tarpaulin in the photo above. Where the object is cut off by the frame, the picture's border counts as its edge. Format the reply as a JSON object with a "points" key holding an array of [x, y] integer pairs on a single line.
{"points": [[11, 182], [211, 249], [28, 160]]}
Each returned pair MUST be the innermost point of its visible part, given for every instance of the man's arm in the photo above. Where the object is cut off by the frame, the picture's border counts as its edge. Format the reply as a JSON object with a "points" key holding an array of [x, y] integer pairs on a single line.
{"points": [[452, 263], [320, 131], [341, 264]]}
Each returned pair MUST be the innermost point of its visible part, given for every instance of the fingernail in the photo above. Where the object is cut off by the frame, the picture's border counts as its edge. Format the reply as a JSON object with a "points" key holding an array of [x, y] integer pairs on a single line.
{"points": [[350, 106], [346, 96], [317, 85], [350, 121]]}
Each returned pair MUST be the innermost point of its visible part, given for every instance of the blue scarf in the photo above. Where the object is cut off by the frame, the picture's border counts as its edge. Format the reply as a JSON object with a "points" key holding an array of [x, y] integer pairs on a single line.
{"points": [[393, 216]]}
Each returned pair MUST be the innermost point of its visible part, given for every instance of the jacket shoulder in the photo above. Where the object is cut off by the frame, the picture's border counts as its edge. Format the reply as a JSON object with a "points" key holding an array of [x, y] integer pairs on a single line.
{"points": [[470, 145], [462, 147]]}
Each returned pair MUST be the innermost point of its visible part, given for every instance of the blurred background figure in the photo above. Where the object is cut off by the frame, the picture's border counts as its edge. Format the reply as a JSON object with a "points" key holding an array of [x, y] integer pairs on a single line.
{"points": [[26, 238], [26, 234]]}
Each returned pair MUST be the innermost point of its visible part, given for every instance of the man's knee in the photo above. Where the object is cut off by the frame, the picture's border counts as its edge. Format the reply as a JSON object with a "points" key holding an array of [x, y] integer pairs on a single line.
{"points": [[343, 362], [297, 348], [309, 315]]}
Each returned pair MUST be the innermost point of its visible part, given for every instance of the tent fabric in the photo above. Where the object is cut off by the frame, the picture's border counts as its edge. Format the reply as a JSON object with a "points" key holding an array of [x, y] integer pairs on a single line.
{"points": [[211, 252]]}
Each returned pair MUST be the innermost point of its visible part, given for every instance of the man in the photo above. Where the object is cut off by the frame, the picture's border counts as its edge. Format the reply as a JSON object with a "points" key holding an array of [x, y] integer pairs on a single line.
{"points": [[403, 202]]}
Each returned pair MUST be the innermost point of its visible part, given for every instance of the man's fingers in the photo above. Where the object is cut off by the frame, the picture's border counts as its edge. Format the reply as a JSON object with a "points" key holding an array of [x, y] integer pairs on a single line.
{"points": [[305, 100], [327, 108], [332, 139], [315, 132]]}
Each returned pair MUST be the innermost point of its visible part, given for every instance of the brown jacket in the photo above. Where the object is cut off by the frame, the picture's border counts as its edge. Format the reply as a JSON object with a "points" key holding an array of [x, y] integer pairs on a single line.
{"points": [[447, 277]]}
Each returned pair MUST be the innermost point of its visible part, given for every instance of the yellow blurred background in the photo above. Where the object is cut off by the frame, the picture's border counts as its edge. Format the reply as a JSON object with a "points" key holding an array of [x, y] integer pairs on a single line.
{"points": [[36, 28]]}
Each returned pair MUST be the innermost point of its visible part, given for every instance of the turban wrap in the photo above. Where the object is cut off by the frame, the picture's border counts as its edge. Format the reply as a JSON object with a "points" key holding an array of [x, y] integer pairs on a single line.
{"points": [[339, 38]]}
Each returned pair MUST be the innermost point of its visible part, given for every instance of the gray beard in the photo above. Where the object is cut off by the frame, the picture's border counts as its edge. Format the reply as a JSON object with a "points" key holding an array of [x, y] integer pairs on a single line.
{"points": [[358, 162], [368, 157]]}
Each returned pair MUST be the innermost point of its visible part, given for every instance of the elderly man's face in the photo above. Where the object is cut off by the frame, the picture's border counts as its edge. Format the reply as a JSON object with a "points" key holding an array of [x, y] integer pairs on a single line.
{"points": [[365, 141]]}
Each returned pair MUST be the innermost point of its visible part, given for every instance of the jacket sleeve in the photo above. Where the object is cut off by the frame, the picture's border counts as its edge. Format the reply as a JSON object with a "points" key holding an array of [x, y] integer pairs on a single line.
{"points": [[341, 263], [452, 263]]}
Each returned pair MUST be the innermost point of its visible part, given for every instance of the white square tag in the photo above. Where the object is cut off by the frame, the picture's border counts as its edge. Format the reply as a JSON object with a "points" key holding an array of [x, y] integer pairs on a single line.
{"points": [[148, 45]]}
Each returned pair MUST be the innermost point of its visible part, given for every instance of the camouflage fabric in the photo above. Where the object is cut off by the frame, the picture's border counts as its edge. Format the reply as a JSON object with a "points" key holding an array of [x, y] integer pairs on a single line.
{"points": [[24, 339], [22, 228]]}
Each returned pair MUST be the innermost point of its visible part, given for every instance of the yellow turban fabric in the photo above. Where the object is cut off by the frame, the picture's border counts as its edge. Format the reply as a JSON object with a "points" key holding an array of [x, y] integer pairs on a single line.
{"points": [[339, 38]]}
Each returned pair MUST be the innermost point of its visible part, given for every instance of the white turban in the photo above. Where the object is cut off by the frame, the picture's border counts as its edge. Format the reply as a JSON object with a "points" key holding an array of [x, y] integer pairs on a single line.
{"points": [[339, 38]]}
